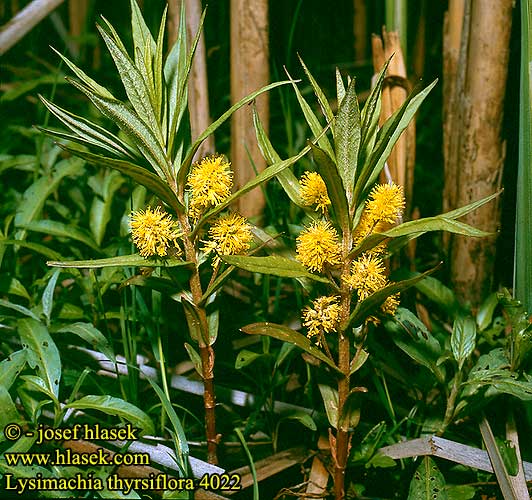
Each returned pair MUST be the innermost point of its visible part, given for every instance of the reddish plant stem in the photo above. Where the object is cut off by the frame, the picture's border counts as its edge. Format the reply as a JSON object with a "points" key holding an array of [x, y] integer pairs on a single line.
{"points": [[342, 435], [206, 350]]}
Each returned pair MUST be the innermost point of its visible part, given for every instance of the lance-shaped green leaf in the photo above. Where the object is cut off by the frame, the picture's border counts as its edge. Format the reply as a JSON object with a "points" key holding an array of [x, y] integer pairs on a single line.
{"points": [[149, 180], [134, 84], [133, 126], [386, 139], [273, 265], [91, 335], [87, 132], [115, 406], [141, 34], [185, 166], [263, 176], [463, 339], [41, 352], [34, 247], [335, 188], [87, 80], [11, 367], [62, 230], [121, 260], [322, 99], [428, 482], [364, 308], [347, 139], [330, 401], [286, 178], [158, 74], [311, 119], [288, 335], [340, 87]]}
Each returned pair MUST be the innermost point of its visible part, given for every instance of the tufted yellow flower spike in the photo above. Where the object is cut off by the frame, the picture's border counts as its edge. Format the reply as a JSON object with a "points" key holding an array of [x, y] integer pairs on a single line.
{"points": [[318, 245], [314, 191], [228, 235], [368, 275], [153, 231], [209, 184], [322, 317], [391, 304], [385, 203]]}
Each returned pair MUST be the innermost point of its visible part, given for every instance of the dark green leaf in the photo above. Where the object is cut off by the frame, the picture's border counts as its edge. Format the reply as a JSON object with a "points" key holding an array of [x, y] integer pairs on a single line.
{"points": [[428, 482], [92, 336], [11, 367], [121, 260], [273, 265], [463, 339], [288, 335], [245, 358], [330, 400]]}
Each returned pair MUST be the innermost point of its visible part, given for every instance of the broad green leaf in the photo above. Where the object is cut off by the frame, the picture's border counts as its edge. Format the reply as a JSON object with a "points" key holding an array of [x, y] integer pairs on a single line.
{"points": [[35, 196], [286, 178], [463, 339], [9, 411], [181, 443], [41, 352], [460, 492], [502, 381], [330, 400], [62, 230], [34, 247], [122, 260], [245, 358], [413, 338], [288, 335], [350, 416], [365, 308], [193, 321], [151, 181], [358, 361], [48, 296], [12, 286], [436, 291], [301, 417], [115, 406], [311, 119], [133, 126], [273, 265], [335, 186], [11, 367], [90, 133], [92, 336], [428, 482], [213, 322], [347, 139], [386, 139], [183, 172], [486, 310], [37, 384], [509, 456]]}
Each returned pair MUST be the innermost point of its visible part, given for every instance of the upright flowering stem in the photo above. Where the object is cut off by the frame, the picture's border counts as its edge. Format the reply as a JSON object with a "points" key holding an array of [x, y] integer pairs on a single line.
{"points": [[342, 435], [206, 350]]}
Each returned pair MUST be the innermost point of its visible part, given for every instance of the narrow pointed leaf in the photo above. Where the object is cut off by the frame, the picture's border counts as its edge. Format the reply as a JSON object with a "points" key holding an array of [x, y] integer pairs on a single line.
{"points": [[273, 265], [115, 406], [347, 139], [62, 230], [88, 131], [11, 367], [335, 188], [92, 336], [141, 33], [149, 180], [132, 126], [330, 401], [322, 99], [48, 296], [288, 335], [122, 260], [340, 87]]}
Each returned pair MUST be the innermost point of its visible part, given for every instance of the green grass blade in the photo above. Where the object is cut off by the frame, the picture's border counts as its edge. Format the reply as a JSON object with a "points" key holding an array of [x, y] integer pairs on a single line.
{"points": [[523, 229]]}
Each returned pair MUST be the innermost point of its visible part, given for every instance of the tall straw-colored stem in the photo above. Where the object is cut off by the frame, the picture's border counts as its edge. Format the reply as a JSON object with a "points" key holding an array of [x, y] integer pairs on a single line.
{"points": [[342, 435], [206, 350]]}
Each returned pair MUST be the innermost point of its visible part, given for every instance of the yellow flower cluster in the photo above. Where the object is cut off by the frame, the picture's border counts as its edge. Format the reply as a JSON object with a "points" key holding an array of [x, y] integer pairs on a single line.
{"points": [[228, 235], [384, 206], [318, 245], [153, 231], [322, 317], [209, 184], [313, 191], [368, 275]]}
